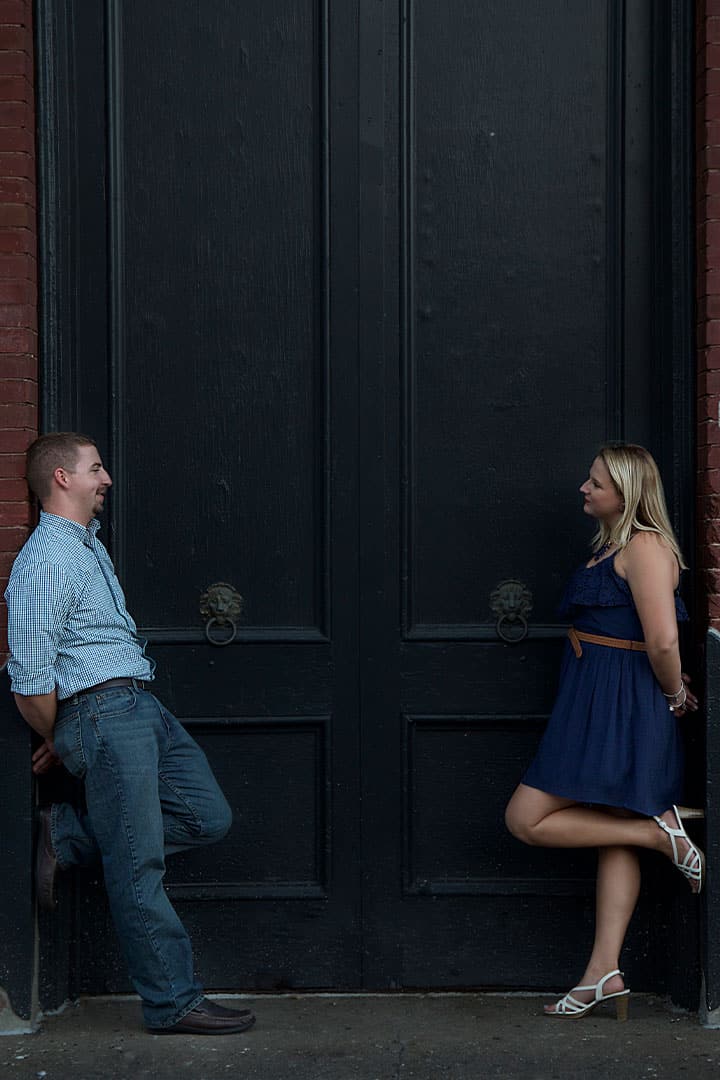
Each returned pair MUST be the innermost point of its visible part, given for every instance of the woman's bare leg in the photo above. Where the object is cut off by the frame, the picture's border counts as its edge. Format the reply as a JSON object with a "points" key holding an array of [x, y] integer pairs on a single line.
{"points": [[618, 887], [544, 820]]}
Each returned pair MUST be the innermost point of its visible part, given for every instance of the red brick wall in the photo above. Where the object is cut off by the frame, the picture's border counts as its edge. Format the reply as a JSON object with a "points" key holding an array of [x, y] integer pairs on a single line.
{"points": [[18, 278]]}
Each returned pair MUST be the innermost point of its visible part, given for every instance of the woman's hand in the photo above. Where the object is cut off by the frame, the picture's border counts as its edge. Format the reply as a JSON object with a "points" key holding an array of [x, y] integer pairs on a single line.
{"points": [[691, 702]]}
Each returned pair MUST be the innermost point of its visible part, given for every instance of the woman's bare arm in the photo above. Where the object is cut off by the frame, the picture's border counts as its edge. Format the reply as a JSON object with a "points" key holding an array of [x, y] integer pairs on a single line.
{"points": [[651, 571]]}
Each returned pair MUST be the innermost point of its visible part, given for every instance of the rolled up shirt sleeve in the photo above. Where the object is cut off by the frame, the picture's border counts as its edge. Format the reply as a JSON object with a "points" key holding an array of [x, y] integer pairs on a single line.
{"points": [[39, 600]]}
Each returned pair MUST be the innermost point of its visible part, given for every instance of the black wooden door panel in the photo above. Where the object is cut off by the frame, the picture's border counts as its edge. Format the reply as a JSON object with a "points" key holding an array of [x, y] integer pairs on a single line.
{"points": [[220, 304], [509, 323]]}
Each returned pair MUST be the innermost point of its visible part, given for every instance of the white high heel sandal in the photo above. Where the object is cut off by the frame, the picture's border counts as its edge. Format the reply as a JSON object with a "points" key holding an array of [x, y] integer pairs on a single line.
{"points": [[692, 866], [570, 1008]]}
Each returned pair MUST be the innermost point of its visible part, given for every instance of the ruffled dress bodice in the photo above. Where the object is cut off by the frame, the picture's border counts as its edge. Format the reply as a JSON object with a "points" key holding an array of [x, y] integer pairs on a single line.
{"points": [[598, 601]]}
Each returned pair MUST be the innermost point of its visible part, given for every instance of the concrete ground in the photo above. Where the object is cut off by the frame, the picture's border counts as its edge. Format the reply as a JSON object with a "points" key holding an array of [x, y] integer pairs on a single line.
{"points": [[374, 1037]]}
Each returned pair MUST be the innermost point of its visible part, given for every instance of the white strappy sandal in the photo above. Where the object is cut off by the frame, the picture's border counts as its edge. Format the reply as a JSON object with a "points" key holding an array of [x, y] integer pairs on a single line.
{"points": [[692, 866], [570, 1008]]}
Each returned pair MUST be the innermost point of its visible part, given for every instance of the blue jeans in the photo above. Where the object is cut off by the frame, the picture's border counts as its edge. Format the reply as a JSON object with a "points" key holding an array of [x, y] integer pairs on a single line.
{"points": [[149, 792]]}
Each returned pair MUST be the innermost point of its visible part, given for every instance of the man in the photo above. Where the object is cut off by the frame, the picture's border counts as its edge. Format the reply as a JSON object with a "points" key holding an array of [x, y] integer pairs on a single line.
{"points": [[81, 680]]}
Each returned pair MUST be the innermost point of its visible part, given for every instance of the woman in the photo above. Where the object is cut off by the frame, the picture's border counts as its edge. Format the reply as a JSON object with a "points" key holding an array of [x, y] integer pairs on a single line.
{"points": [[608, 772]]}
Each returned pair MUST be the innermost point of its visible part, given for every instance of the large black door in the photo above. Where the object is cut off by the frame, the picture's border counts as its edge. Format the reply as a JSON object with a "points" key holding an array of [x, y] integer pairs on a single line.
{"points": [[206, 335], [348, 297], [534, 308]]}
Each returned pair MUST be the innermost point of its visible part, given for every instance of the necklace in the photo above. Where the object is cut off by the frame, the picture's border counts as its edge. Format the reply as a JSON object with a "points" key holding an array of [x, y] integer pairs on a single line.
{"points": [[602, 551]]}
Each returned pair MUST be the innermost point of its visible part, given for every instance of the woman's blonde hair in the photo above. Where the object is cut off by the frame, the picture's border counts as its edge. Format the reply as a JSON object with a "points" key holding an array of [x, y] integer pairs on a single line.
{"points": [[637, 481]]}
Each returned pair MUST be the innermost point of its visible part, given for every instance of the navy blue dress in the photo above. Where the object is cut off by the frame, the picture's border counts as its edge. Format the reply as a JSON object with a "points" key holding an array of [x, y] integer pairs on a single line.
{"points": [[611, 738]]}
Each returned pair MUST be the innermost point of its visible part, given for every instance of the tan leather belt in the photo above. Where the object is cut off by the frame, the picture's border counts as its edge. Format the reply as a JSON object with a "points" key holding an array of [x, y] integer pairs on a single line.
{"points": [[576, 636]]}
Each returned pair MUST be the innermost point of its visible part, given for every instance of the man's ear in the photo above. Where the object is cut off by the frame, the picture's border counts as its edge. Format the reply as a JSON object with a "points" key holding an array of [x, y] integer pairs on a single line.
{"points": [[60, 476]]}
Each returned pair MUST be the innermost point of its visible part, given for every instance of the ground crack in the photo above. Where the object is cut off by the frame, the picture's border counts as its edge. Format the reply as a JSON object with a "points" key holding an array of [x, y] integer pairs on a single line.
{"points": [[400, 1061]]}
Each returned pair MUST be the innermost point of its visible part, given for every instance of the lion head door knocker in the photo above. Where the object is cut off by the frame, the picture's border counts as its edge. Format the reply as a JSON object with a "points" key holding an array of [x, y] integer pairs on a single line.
{"points": [[220, 606], [511, 601]]}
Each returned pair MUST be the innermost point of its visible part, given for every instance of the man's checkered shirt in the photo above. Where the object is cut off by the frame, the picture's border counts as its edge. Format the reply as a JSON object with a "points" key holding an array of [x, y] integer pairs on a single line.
{"points": [[68, 626]]}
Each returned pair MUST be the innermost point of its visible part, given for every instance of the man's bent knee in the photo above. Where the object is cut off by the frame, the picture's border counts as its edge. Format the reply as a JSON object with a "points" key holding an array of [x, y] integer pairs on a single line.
{"points": [[218, 826]]}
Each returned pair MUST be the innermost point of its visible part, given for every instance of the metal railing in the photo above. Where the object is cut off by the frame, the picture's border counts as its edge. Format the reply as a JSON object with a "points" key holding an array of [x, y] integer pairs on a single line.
{"points": [[711, 927], [18, 964]]}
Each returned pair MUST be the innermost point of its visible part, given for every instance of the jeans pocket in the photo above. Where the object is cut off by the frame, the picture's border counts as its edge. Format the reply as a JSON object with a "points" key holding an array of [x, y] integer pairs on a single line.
{"points": [[67, 739], [114, 702]]}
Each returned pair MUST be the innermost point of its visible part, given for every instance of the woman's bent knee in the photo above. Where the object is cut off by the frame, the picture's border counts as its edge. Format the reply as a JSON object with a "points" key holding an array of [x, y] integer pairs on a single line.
{"points": [[518, 826]]}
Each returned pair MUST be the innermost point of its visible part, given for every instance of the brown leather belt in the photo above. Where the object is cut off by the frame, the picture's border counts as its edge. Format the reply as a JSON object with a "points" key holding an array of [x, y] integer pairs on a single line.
{"points": [[576, 636], [137, 684]]}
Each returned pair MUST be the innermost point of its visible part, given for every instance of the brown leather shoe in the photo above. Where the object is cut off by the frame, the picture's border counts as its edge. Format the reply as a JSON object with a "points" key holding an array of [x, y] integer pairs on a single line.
{"points": [[207, 1018], [46, 864]]}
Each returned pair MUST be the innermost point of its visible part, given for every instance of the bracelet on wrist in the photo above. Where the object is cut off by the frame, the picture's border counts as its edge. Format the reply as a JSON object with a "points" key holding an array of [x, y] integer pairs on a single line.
{"points": [[679, 704], [677, 692]]}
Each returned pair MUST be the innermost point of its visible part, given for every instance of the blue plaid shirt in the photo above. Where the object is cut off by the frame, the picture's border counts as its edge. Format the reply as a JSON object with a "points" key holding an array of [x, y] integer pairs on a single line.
{"points": [[68, 627]]}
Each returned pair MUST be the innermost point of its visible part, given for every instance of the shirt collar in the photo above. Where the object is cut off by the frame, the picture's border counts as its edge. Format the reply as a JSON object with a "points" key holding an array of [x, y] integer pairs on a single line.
{"points": [[64, 526]]}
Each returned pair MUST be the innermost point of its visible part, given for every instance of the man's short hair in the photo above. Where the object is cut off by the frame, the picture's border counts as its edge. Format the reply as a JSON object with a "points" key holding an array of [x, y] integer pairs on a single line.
{"points": [[56, 450]]}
